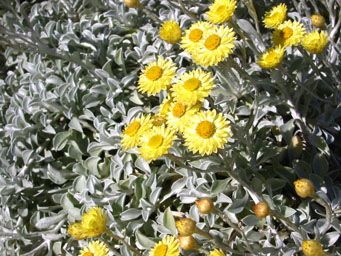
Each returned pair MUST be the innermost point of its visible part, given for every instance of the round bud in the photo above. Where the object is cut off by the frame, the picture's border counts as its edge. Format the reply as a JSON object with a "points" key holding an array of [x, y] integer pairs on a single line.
{"points": [[304, 188], [132, 3], [205, 205], [275, 130], [261, 210], [312, 248], [185, 226], [187, 243], [318, 20]]}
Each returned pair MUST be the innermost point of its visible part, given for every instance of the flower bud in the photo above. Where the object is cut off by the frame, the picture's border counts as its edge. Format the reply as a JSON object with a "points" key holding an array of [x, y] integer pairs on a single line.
{"points": [[261, 210], [187, 243], [318, 20], [204, 205], [312, 248], [185, 226], [275, 130], [304, 188], [132, 3]]}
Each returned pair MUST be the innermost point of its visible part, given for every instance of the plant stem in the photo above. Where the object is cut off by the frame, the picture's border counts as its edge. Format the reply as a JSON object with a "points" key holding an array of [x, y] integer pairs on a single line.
{"points": [[329, 213], [117, 238]]}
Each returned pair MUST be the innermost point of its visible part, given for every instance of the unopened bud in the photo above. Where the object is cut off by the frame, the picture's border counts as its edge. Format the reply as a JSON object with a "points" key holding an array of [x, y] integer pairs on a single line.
{"points": [[132, 3], [312, 248], [304, 188], [187, 243], [185, 226], [205, 205], [261, 210], [296, 146], [318, 20]]}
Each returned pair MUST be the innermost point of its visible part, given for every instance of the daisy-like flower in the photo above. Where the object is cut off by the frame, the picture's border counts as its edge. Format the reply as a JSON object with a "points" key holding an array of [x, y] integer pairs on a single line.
{"points": [[95, 248], [157, 76], [271, 58], [207, 132], [169, 246], [76, 230], [315, 42], [216, 46], [193, 35], [94, 222], [156, 142], [180, 114], [221, 11], [193, 87], [217, 252], [275, 16], [170, 32], [289, 33], [165, 106], [133, 131]]}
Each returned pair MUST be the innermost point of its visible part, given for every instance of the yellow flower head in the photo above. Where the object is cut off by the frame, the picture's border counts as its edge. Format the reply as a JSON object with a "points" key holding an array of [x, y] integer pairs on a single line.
{"points": [[194, 35], [169, 246], [158, 120], [76, 230], [221, 11], [94, 222], [304, 188], [157, 76], [179, 115], [275, 16], [95, 248], [133, 131], [289, 33], [312, 248], [271, 58], [207, 132], [217, 45], [217, 252], [165, 106], [193, 87], [170, 32], [315, 42], [156, 142], [318, 20]]}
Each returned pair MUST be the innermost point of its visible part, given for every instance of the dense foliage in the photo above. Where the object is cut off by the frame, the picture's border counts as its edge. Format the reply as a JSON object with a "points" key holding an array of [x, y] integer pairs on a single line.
{"points": [[69, 86]]}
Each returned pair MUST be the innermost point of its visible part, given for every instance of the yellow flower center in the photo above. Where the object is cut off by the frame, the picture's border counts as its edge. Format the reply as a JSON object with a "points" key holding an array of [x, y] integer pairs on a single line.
{"points": [[154, 73], [88, 254], [192, 84], [212, 42], [155, 141], [195, 35], [286, 33], [272, 56], [161, 250], [178, 110], [221, 9], [205, 129], [132, 128]]}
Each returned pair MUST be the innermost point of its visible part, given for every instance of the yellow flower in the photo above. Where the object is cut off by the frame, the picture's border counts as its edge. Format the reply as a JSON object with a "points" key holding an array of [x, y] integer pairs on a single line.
{"points": [[217, 252], [271, 58], [156, 142], [312, 248], [207, 132], [275, 16], [157, 76], [193, 87], [194, 35], [169, 246], [289, 33], [315, 42], [94, 222], [170, 32], [76, 230], [158, 120], [216, 46], [318, 20], [95, 248], [221, 11], [179, 115], [304, 188], [133, 131], [165, 106]]}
